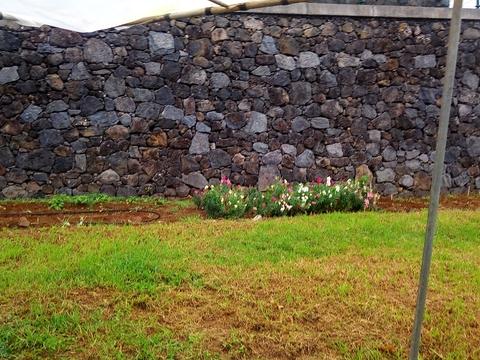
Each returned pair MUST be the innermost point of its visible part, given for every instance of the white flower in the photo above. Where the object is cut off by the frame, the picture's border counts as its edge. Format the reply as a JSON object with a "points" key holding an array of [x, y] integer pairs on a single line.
{"points": [[337, 188], [329, 181]]}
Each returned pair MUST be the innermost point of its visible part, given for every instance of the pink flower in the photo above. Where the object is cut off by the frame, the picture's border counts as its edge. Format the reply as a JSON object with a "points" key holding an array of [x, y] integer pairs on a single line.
{"points": [[366, 203], [319, 180], [225, 181], [370, 195]]}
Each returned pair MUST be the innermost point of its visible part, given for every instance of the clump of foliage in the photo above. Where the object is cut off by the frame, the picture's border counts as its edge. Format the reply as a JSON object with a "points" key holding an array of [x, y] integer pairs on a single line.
{"points": [[58, 202], [286, 199], [223, 200]]}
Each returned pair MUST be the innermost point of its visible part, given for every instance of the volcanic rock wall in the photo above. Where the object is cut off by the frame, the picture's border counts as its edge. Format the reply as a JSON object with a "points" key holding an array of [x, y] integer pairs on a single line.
{"points": [[173, 106]]}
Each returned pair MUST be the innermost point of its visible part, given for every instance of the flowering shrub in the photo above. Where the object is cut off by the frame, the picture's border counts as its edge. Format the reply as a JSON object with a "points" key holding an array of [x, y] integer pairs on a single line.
{"points": [[222, 200], [283, 198]]}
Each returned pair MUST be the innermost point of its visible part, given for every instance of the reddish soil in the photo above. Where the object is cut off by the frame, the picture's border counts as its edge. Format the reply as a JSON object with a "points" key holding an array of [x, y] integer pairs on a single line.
{"points": [[25, 214], [39, 214], [461, 202]]}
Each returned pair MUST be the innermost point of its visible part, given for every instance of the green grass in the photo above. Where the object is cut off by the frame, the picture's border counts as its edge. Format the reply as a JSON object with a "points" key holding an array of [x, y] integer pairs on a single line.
{"points": [[320, 287]]}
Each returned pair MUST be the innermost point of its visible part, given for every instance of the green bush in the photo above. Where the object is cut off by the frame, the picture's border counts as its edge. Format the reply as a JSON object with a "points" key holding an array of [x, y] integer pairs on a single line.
{"points": [[285, 199], [223, 201]]}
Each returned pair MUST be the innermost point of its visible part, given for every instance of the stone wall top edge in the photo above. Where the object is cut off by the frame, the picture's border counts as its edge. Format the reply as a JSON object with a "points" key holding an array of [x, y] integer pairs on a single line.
{"points": [[380, 11], [336, 10]]}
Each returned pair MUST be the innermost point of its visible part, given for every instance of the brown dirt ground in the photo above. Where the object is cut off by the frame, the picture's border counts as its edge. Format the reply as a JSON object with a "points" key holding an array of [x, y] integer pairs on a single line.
{"points": [[39, 214], [25, 214], [461, 202]]}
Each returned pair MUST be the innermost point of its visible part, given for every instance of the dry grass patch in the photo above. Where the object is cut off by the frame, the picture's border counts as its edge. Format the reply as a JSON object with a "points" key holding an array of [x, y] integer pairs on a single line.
{"points": [[337, 307], [337, 286]]}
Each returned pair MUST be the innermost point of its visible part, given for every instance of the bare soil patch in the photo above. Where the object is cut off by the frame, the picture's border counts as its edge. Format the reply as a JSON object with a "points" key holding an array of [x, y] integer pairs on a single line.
{"points": [[461, 202], [27, 214], [39, 214]]}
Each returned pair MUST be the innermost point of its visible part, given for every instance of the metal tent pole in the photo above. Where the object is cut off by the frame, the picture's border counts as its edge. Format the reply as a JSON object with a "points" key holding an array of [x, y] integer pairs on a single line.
{"points": [[448, 83]]}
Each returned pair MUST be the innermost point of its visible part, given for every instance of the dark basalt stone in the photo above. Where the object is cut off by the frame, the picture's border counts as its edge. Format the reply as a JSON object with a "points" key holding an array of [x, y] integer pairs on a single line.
{"points": [[169, 108]]}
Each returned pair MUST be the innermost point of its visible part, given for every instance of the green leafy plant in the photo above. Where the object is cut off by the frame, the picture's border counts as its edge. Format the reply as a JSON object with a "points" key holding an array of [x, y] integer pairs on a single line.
{"points": [[223, 200], [58, 202], [285, 199]]}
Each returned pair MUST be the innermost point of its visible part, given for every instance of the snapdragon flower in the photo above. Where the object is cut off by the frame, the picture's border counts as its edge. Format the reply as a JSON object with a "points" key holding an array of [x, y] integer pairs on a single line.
{"points": [[225, 181]]}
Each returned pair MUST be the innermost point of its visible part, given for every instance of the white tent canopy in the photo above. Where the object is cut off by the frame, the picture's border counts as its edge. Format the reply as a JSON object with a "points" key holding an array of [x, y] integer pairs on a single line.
{"points": [[92, 15]]}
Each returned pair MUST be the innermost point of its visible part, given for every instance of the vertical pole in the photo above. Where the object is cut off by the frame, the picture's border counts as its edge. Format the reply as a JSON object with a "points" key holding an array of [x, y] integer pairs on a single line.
{"points": [[448, 83]]}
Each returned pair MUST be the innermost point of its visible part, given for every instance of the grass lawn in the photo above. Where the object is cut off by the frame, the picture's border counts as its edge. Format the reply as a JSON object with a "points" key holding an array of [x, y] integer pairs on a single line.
{"points": [[319, 287]]}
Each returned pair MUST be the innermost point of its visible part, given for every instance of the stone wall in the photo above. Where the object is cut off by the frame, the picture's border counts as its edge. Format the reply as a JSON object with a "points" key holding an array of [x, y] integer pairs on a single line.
{"points": [[175, 105]]}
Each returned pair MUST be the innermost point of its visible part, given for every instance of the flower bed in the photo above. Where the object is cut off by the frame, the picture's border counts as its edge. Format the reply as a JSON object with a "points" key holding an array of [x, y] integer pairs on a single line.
{"points": [[285, 199]]}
